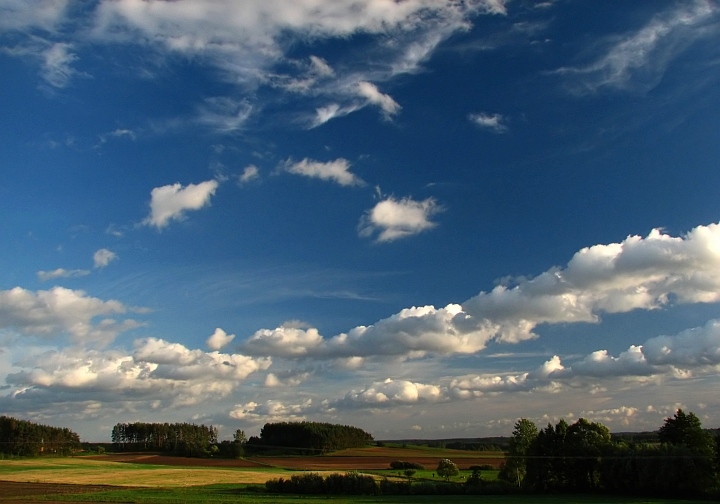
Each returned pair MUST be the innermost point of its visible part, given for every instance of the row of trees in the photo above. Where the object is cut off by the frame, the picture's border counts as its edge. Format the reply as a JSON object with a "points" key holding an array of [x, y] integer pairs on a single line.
{"points": [[309, 437], [27, 439], [180, 438], [684, 459]]}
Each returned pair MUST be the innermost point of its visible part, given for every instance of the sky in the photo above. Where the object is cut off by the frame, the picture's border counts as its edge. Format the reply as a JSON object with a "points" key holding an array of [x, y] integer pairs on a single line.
{"points": [[424, 218]]}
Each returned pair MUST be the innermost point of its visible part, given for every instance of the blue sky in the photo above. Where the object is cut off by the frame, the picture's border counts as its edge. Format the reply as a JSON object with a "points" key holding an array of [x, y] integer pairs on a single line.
{"points": [[423, 218]]}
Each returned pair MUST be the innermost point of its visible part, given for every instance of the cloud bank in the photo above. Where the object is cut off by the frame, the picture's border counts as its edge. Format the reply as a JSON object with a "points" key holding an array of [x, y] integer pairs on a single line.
{"points": [[639, 273]]}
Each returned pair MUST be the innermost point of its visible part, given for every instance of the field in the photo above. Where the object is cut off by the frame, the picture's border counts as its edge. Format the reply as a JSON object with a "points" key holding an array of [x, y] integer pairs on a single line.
{"points": [[143, 478]]}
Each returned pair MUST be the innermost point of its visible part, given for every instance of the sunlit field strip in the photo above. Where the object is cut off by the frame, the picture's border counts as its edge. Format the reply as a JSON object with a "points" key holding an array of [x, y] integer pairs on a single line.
{"points": [[92, 472]]}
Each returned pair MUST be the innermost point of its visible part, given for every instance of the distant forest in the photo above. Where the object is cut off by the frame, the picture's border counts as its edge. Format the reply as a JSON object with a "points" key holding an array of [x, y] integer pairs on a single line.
{"points": [[20, 438], [179, 438], [308, 438]]}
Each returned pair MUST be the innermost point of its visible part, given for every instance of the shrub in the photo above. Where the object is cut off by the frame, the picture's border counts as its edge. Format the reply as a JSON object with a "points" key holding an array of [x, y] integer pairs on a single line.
{"points": [[399, 464]]}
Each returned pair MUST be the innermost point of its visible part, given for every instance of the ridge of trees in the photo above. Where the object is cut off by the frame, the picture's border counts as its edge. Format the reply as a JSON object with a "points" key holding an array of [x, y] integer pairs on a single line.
{"points": [[21, 438], [683, 460], [180, 438], [309, 437]]}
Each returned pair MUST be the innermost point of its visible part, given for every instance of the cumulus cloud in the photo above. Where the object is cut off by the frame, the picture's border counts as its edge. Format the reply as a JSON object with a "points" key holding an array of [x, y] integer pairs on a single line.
{"points": [[392, 393], [44, 276], [493, 122], [637, 273], [219, 339], [170, 202], [170, 372], [103, 257], [58, 311], [640, 58], [393, 219], [271, 411], [336, 171]]}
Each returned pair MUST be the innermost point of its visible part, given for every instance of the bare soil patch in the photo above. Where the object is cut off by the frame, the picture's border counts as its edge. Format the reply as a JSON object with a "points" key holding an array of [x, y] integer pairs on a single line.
{"points": [[26, 493]]}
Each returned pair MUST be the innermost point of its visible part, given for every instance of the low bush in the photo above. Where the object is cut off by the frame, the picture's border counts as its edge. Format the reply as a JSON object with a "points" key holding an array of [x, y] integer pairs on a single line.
{"points": [[399, 464]]}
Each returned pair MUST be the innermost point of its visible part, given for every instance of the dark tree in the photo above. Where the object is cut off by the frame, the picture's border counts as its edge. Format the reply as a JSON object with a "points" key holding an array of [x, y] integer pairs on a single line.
{"points": [[523, 436], [685, 429]]}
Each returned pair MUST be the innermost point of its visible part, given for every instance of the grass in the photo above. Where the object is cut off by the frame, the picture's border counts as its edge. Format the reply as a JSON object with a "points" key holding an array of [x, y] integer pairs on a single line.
{"points": [[223, 494], [431, 475]]}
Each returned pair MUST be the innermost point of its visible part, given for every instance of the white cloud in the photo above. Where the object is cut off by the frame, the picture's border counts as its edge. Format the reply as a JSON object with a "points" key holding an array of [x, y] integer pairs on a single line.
{"points": [[271, 411], [285, 341], [224, 114], [640, 58], [158, 370], [394, 219], [331, 111], [219, 339], [392, 393], [248, 40], [57, 64], [60, 310], [370, 92], [637, 273], [337, 171], [695, 347], [103, 257], [24, 14], [170, 202], [44, 276], [492, 122], [249, 174]]}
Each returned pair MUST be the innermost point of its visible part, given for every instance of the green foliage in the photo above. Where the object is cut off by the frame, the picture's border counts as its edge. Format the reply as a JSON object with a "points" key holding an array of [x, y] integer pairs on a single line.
{"points": [[399, 464], [20, 438], [310, 437], [567, 457], [685, 430], [523, 437], [182, 438], [447, 469], [335, 484]]}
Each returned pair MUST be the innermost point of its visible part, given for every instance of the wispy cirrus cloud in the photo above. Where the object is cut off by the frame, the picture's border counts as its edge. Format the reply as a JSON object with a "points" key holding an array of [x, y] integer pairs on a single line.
{"points": [[639, 59], [45, 276]]}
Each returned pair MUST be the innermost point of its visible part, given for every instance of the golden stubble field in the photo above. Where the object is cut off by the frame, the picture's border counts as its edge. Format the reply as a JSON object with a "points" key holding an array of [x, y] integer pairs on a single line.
{"points": [[85, 471]]}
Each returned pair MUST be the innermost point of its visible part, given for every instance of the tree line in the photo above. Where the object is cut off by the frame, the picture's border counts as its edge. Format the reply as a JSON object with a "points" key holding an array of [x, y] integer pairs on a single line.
{"points": [[308, 437], [21, 438], [683, 460], [179, 438]]}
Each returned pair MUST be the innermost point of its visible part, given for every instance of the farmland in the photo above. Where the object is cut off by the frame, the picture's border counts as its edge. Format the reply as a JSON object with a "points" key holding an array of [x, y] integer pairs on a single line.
{"points": [[146, 478]]}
